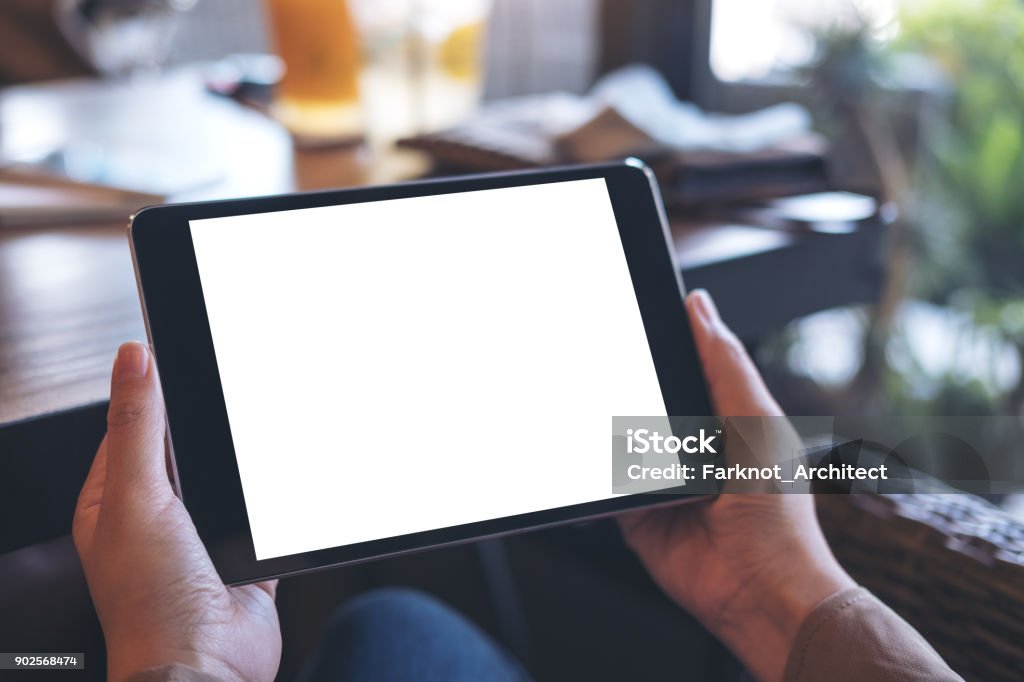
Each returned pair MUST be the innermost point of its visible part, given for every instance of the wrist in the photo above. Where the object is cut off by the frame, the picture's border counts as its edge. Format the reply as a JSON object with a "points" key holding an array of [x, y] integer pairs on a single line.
{"points": [[127, 662], [173, 673], [761, 623]]}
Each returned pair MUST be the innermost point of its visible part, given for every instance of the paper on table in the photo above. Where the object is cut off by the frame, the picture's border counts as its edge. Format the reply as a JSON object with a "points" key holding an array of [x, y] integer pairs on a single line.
{"points": [[29, 198]]}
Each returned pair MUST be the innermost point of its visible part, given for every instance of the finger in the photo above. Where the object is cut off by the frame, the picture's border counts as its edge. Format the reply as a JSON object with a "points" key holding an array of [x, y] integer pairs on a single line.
{"points": [[136, 468], [735, 384], [631, 520], [87, 509], [270, 587]]}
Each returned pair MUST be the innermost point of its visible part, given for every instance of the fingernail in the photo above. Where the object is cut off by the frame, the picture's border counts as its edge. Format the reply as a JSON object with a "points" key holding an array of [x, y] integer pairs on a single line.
{"points": [[705, 307], [132, 362]]}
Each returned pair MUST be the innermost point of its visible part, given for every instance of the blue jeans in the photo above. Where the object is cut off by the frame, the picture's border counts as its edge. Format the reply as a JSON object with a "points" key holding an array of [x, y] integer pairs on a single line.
{"points": [[400, 635]]}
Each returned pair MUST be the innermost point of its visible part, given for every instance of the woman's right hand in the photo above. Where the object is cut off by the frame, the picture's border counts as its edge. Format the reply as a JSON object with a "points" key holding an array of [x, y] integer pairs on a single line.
{"points": [[750, 566]]}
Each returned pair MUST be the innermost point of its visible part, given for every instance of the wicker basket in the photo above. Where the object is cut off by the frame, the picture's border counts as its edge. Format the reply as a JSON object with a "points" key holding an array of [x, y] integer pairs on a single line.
{"points": [[951, 564]]}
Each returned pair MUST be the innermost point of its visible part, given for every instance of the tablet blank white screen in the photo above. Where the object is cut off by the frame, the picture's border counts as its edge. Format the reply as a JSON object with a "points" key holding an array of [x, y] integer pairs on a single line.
{"points": [[413, 364]]}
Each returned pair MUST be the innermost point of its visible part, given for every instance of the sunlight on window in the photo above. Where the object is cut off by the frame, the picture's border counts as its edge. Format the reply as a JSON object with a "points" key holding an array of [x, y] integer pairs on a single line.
{"points": [[758, 40]]}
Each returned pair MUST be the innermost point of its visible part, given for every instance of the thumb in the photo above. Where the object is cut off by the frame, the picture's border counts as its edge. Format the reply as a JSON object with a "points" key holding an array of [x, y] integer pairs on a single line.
{"points": [[735, 384], [136, 468], [756, 432]]}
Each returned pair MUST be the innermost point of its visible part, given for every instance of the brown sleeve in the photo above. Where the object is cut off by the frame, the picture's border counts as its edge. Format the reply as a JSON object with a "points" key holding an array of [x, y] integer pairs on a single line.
{"points": [[173, 673], [852, 636]]}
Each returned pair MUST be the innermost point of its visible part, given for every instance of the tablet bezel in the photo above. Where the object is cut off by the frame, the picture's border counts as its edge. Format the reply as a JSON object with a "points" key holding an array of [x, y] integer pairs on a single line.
{"points": [[203, 459]]}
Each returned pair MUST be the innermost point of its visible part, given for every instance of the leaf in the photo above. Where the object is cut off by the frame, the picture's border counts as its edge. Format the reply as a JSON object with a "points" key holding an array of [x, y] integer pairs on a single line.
{"points": [[1001, 147]]}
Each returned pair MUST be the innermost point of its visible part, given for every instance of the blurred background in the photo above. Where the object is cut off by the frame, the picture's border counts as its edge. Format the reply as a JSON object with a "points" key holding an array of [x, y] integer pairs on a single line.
{"points": [[844, 176], [919, 105]]}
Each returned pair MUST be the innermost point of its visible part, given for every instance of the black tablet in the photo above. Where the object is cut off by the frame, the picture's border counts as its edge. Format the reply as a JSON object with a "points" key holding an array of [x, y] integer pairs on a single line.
{"points": [[358, 373]]}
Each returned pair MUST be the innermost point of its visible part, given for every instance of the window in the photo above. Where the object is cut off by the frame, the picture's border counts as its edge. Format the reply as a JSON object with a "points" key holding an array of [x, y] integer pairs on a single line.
{"points": [[764, 39]]}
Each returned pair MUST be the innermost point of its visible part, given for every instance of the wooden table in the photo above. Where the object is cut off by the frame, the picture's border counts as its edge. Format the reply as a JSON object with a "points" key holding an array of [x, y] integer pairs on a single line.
{"points": [[68, 295], [68, 298], [67, 292]]}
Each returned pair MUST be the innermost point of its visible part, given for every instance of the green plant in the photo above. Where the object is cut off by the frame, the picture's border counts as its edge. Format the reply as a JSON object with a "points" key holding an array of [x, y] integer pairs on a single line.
{"points": [[959, 242], [975, 169]]}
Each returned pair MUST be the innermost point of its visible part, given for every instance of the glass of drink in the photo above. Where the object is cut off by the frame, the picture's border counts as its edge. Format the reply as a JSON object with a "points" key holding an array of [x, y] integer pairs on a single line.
{"points": [[422, 64], [121, 37], [318, 98]]}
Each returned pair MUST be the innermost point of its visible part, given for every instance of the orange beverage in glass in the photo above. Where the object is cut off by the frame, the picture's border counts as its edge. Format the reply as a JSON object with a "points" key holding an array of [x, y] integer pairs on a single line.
{"points": [[318, 43]]}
